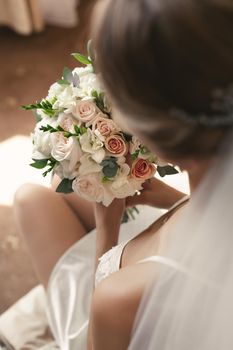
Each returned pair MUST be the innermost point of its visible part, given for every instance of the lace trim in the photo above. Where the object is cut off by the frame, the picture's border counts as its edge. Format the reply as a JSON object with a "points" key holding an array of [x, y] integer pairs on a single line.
{"points": [[108, 263]]}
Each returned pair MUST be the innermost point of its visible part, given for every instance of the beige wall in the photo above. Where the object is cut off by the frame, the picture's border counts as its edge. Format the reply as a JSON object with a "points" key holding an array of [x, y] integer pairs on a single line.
{"points": [[28, 16], [24, 16]]}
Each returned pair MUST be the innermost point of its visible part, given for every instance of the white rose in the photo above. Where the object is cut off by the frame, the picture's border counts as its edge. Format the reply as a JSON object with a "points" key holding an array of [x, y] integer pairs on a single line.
{"points": [[64, 148], [83, 71], [88, 165], [55, 90], [66, 99], [123, 186], [91, 188], [89, 82], [42, 140], [92, 145], [64, 170]]}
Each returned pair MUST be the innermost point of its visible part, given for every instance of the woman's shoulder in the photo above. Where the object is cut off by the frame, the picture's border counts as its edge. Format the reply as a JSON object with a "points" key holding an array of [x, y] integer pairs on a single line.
{"points": [[116, 300]]}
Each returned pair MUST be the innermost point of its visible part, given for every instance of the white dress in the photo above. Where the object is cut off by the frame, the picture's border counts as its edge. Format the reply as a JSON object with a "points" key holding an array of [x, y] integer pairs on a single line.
{"points": [[72, 281]]}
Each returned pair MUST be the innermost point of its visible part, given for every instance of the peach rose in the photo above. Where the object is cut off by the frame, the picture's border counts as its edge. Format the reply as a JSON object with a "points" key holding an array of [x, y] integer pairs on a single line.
{"points": [[86, 112], [104, 126], [142, 169], [116, 145]]}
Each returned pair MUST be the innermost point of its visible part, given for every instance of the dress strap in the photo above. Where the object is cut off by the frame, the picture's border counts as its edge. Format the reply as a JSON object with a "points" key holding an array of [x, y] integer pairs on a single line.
{"points": [[162, 260], [179, 202]]}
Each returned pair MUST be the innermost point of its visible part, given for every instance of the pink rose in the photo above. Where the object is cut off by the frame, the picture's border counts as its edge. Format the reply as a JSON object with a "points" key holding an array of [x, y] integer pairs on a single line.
{"points": [[142, 169], [104, 126], [86, 112], [116, 145]]}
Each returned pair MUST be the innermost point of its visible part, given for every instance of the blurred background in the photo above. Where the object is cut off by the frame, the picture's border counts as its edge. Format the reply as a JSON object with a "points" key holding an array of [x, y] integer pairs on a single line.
{"points": [[36, 39]]}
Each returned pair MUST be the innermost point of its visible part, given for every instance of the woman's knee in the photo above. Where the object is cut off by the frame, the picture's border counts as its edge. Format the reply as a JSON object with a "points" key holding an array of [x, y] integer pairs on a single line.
{"points": [[27, 194]]}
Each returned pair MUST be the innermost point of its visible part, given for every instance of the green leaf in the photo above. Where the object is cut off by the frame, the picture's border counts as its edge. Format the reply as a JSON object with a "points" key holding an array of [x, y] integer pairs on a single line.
{"points": [[83, 130], [45, 105], [125, 217], [63, 82], [60, 128], [67, 74], [134, 156], [28, 107], [105, 179], [95, 94], [110, 170], [81, 58], [127, 137], [110, 167], [77, 129], [65, 186], [166, 170], [39, 163]]}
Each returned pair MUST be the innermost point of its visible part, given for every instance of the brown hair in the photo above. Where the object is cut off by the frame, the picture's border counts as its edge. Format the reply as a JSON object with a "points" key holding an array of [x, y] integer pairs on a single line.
{"points": [[155, 55]]}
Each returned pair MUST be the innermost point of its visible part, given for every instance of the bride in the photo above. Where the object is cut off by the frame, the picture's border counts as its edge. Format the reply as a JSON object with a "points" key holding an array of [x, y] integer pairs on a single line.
{"points": [[167, 66]]}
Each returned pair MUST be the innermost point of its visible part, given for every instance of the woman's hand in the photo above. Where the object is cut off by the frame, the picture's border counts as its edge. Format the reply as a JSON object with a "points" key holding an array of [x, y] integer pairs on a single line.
{"points": [[157, 194], [108, 221], [106, 216]]}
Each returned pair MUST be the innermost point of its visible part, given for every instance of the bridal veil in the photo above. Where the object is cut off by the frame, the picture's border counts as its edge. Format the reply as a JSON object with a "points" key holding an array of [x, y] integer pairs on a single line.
{"points": [[192, 307]]}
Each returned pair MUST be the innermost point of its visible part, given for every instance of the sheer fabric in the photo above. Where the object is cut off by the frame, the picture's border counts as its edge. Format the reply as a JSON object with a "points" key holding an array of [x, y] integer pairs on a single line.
{"points": [[191, 307]]}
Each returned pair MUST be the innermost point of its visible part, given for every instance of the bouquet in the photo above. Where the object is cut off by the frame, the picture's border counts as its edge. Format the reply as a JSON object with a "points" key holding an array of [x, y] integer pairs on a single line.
{"points": [[76, 138]]}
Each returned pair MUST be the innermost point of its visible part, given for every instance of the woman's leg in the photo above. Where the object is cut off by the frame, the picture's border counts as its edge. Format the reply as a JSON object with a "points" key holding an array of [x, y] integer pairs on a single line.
{"points": [[81, 207], [48, 224]]}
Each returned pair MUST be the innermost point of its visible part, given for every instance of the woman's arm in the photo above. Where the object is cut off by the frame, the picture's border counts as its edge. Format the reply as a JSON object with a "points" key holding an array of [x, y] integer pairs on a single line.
{"points": [[108, 221], [115, 304], [157, 194]]}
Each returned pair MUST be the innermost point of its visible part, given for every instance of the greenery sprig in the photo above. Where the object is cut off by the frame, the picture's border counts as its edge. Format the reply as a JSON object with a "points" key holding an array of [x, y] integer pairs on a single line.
{"points": [[86, 60], [42, 163], [45, 105], [78, 130], [129, 214]]}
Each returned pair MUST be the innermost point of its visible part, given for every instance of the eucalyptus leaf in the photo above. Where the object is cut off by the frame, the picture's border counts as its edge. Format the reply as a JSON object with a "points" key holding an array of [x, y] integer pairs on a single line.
{"points": [[65, 186], [67, 74], [76, 80], [110, 170]]}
